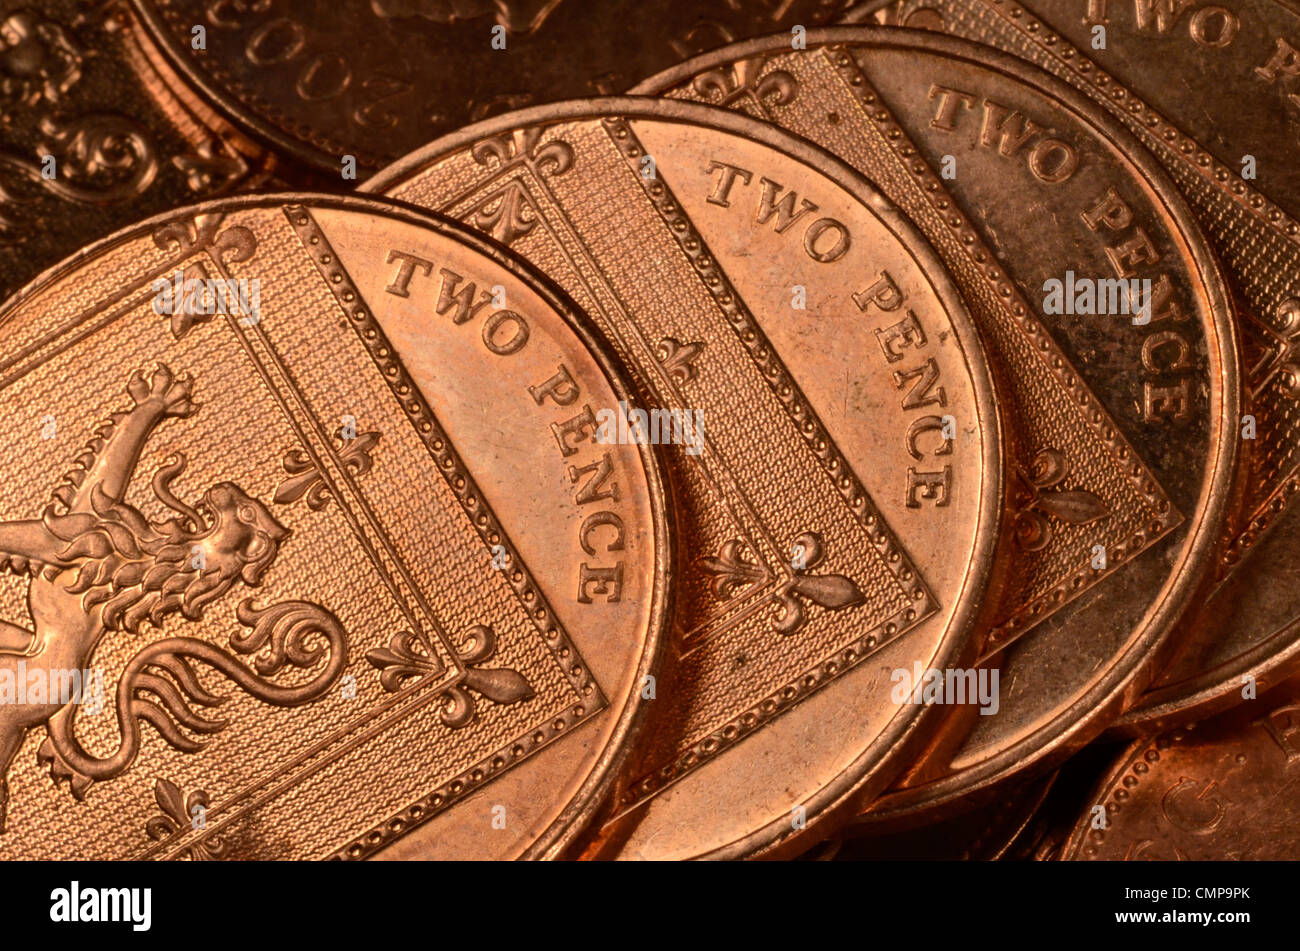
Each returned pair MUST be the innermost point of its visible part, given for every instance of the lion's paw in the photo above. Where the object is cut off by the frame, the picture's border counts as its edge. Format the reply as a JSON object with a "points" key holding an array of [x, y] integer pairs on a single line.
{"points": [[61, 769], [164, 392]]}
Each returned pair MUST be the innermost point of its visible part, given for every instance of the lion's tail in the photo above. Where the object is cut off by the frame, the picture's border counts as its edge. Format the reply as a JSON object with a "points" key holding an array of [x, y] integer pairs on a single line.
{"points": [[159, 686]]}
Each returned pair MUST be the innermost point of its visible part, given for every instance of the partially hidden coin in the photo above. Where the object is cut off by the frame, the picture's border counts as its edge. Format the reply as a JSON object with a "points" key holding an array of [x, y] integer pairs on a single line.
{"points": [[296, 77], [984, 834], [1221, 790], [1123, 427], [840, 498], [92, 137], [1222, 114], [296, 562]]}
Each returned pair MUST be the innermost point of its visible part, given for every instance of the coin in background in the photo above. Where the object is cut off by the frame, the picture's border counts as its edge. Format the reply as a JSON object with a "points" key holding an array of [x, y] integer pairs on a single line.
{"points": [[91, 137], [983, 834], [1222, 790], [1123, 422], [1222, 114], [321, 80]]}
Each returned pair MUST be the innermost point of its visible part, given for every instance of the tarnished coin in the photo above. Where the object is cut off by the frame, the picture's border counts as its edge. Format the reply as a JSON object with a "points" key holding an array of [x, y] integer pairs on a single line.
{"points": [[320, 80], [1221, 790], [304, 547], [1123, 425], [1222, 114], [92, 138], [839, 501]]}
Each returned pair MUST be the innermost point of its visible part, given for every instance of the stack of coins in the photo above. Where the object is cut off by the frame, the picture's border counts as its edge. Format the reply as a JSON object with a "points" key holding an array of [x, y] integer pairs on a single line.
{"points": [[649, 431]]}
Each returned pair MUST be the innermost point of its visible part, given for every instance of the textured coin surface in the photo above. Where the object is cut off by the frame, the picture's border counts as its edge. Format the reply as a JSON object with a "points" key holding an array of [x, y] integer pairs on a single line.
{"points": [[320, 574], [92, 139], [1222, 114], [839, 511], [319, 80], [1123, 432], [1222, 790]]}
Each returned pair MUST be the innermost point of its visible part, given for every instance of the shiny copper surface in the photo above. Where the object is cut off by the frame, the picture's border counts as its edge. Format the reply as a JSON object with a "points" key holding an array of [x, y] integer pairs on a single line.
{"points": [[606, 526], [1124, 434], [344, 518], [825, 433], [1222, 789]]}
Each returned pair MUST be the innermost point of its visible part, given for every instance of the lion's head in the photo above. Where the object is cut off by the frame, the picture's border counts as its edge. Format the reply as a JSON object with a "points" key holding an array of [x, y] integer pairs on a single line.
{"points": [[244, 536], [138, 570]]}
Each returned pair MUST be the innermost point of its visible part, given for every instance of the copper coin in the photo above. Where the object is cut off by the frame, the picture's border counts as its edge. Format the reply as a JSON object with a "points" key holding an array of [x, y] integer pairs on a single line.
{"points": [[91, 137], [1225, 789], [834, 529], [296, 76], [1123, 431], [1222, 114], [320, 575]]}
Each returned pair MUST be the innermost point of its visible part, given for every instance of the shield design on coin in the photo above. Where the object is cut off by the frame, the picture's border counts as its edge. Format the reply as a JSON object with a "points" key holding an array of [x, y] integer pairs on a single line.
{"points": [[100, 568]]}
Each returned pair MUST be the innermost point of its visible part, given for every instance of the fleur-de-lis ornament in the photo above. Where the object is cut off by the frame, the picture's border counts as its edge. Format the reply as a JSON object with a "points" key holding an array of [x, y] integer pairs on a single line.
{"points": [[732, 573], [305, 478], [1038, 500], [403, 660], [678, 359], [507, 212], [745, 80], [1281, 358], [182, 813]]}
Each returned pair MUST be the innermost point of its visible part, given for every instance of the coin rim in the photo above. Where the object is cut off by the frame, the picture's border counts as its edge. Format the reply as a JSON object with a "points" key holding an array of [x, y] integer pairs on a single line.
{"points": [[1083, 720], [903, 734], [574, 816], [1215, 690], [1101, 788], [229, 107]]}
